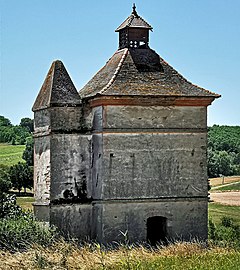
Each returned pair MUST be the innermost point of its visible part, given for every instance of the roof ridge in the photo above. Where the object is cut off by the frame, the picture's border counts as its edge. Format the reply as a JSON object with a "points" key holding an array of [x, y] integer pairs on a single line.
{"points": [[116, 72], [145, 21], [52, 76], [130, 20], [131, 17], [186, 80]]}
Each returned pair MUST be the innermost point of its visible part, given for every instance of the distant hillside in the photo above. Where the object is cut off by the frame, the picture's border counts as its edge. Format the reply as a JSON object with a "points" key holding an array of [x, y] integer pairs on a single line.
{"points": [[224, 138], [223, 150]]}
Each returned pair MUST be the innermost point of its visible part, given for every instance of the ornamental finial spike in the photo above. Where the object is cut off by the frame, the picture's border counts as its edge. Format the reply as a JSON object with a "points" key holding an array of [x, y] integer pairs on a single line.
{"points": [[134, 9]]}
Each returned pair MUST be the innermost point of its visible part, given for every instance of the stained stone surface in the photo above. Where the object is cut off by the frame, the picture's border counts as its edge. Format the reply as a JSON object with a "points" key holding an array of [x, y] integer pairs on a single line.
{"points": [[126, 153]]}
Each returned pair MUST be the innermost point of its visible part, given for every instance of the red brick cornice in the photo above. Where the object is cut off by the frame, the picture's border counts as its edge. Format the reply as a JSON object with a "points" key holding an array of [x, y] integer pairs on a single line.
{"points": [[150, 101]]}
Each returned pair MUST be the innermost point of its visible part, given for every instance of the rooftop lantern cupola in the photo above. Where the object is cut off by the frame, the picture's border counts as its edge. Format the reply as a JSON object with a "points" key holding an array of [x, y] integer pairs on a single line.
{"points": [[134, 32]]}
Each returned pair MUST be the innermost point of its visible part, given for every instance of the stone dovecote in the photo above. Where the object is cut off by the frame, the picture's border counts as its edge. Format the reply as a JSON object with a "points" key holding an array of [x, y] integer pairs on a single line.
{"points": [[126, 153]]}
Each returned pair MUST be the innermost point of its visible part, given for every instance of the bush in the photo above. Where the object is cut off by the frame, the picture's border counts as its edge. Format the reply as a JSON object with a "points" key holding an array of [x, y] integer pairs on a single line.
{"points": [[23, 231], [9, 207], [224, 234], [19, 229]]}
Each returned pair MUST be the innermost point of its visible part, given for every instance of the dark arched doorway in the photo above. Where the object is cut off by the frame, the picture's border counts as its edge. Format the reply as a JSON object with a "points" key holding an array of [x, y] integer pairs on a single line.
{"points": [[156, 230]]}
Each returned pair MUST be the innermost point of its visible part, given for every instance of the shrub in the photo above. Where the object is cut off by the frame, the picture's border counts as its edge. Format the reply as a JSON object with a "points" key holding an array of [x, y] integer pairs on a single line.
{"points": [[18, 229], [22, 232], [9, 207], [224, 234]]}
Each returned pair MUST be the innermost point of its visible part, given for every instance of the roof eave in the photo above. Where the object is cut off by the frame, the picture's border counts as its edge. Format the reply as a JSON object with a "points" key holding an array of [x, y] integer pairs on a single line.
{"points": [[142, 27]]}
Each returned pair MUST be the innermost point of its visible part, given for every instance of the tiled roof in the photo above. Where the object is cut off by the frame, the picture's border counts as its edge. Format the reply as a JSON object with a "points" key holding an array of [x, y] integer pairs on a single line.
{"points": [[134, 20], [57, 89], [140, 72]]}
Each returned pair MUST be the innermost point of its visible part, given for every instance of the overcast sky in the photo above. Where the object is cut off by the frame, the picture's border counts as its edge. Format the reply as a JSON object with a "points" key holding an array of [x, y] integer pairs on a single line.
{"points": [[199, 38]]}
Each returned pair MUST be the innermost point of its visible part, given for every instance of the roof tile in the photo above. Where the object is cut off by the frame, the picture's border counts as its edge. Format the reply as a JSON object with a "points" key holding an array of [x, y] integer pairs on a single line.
{"points": [[141, 72]]}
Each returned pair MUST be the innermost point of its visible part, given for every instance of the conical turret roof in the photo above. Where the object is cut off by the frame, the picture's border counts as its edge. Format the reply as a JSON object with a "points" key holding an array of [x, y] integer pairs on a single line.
{"points": [[57, 89]]}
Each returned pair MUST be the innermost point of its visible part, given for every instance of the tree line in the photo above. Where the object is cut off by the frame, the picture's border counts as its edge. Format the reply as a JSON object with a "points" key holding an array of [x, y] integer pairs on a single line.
{"points": [[15, 134], [223, 150], [18, 176]]}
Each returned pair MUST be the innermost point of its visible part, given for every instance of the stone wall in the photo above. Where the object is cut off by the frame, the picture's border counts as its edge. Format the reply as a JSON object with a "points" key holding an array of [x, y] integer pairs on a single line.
{"points": [[73, 220], [148, 158], [109, 169], [71, 162], [186, 219], [149, 161]]}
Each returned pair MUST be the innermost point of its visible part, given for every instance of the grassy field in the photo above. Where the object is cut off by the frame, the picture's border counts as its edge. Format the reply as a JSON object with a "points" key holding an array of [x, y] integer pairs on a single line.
{"points": [[228, 187], [11, 154], [217, 211], [25, 202]]}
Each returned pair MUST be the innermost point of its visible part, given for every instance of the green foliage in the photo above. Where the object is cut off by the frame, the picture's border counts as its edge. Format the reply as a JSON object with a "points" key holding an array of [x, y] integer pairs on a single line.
{"points": [[14, 134], [223, 150], [21, 176], [220, 163], [28, 152], [227, 233], [27, 123], [205, 261], [217, 211], [21, 232], [19, 229], [5, 183], [224, 138], [8, 206], [4, 121]]}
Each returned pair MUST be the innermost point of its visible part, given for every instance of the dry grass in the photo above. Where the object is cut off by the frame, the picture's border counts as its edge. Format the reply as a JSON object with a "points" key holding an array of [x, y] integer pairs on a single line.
{"points": [[227, 180], [26, 202], [64, 255]]}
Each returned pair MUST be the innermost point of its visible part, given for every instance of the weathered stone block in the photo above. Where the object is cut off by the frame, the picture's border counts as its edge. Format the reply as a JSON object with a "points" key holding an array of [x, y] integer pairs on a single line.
{"points": [[71, 162], [66, 119], [154, 117], [42, 169], [73, 220], [185, 219], [151, 165]]}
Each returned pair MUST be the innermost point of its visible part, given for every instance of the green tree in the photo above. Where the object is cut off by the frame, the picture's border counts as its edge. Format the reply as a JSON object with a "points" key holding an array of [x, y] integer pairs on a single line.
{"points": [[223, 150], [15, 134], [21, 176], [28, 152], [5, 183], [5, 121], [27, 123], [219, 163]]}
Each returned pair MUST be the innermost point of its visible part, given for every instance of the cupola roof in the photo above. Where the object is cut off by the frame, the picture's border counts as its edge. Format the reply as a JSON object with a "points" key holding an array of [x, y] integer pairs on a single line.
{"points": [[134, 21]]}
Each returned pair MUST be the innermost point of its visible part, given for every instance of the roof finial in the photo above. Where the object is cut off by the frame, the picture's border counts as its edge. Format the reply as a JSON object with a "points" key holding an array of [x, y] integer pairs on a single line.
{"points": [[134, 12]]}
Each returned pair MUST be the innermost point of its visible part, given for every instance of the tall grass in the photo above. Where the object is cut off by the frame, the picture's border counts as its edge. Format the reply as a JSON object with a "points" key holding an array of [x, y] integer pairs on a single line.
{"points": [[63, 255]]}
